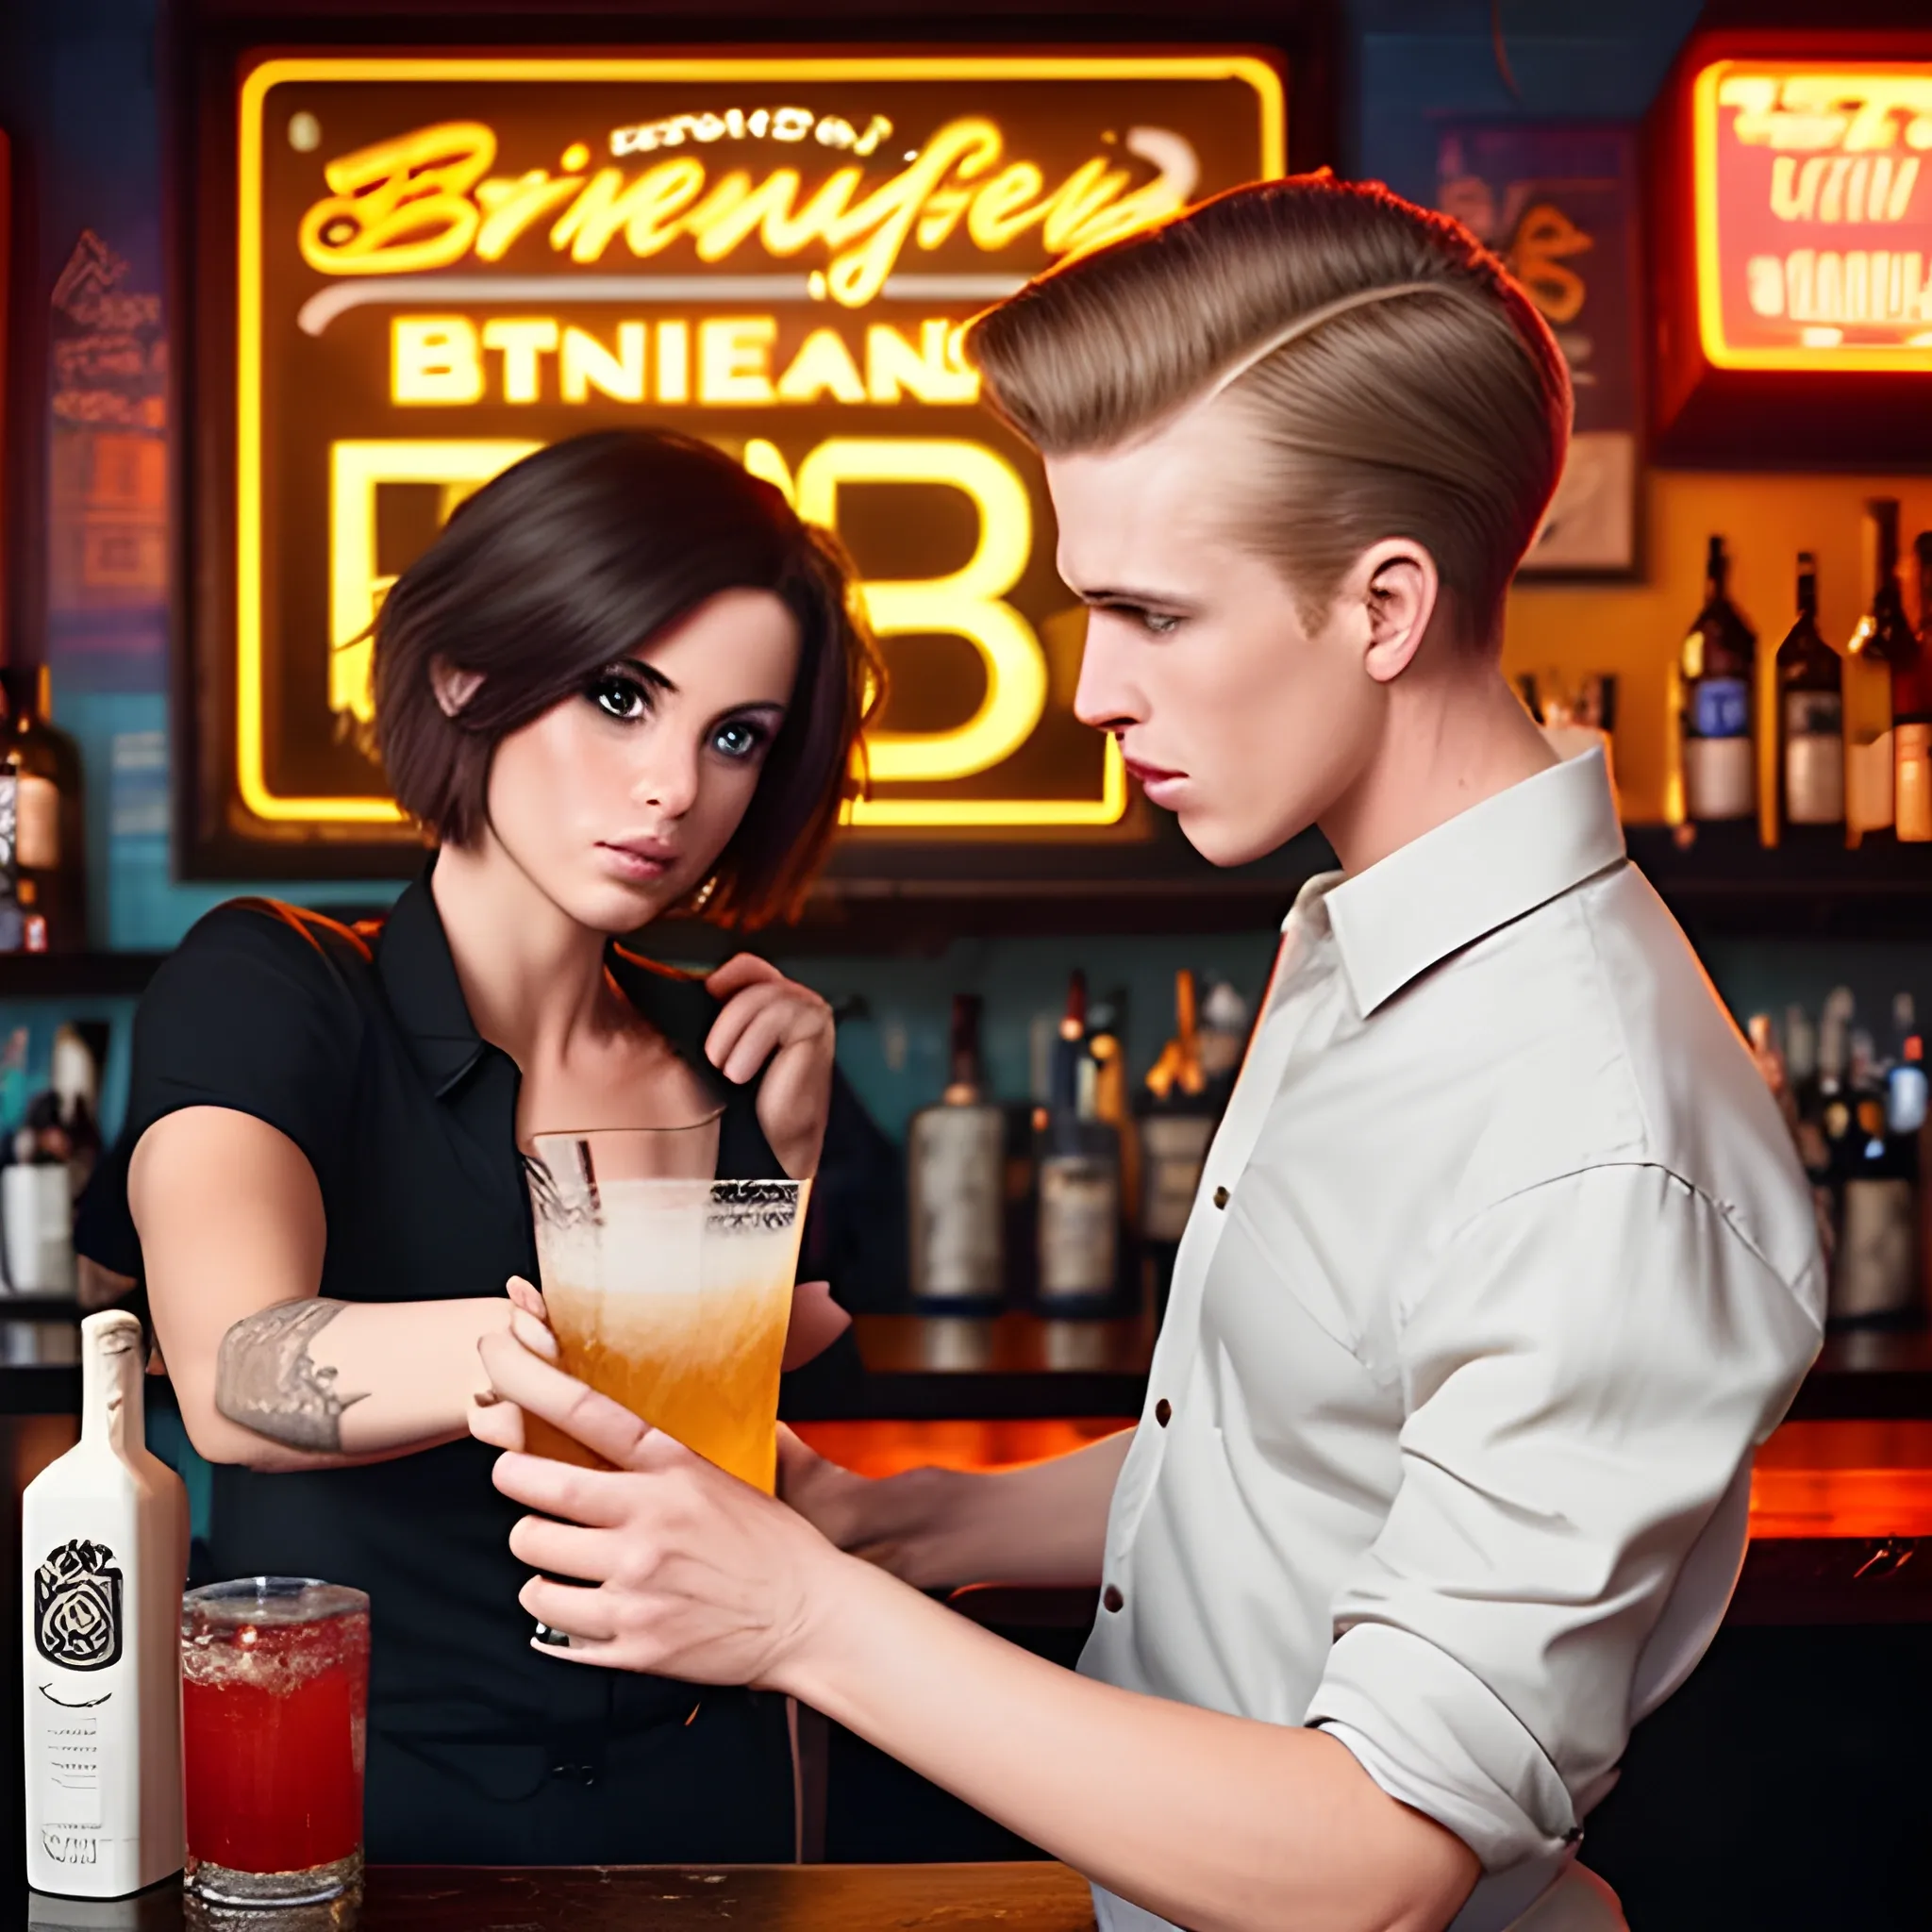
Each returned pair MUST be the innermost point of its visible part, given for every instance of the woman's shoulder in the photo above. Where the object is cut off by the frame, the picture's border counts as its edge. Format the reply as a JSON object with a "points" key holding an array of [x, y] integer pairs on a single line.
{"points": [[252, 964], [268, 935]]}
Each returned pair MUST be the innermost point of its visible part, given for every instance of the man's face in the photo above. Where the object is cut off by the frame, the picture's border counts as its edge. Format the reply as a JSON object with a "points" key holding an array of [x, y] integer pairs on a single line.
{"points": [[1229, 711]]}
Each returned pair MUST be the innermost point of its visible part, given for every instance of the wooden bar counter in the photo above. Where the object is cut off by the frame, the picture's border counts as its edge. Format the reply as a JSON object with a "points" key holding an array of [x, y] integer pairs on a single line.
{"points": [[1034, 1897]]}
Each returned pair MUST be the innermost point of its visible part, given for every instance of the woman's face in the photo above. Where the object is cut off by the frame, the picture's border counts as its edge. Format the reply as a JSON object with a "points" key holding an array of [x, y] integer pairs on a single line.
{"points": [[617, 802], [1230, 711]]}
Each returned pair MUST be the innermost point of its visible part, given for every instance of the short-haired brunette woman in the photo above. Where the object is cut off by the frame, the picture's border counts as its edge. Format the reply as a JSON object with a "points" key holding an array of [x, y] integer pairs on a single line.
{"points": [[624, 680]]}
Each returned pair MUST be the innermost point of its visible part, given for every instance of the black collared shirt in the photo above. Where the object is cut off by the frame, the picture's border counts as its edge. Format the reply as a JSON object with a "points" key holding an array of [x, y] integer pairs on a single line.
{"points": [[357, 1044]]}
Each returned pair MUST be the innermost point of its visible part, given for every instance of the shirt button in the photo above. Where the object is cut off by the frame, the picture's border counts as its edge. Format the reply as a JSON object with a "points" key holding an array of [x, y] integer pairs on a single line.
{"points": [[1163, 1411], [1221, 1197], [1111, 1598]]}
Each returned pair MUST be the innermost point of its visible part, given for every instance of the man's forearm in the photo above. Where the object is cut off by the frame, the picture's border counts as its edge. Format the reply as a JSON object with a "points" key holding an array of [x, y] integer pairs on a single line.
{"points": [[939, 1528], [316, 1383], [1221, 1823]]}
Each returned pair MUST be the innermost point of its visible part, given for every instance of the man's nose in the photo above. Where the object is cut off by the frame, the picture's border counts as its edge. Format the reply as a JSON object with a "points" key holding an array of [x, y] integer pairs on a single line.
{"points": [[1108, 697]]}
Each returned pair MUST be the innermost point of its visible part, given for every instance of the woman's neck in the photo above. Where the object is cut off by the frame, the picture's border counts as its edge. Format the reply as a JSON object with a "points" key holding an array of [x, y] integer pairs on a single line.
{"points": [[532, 977]]}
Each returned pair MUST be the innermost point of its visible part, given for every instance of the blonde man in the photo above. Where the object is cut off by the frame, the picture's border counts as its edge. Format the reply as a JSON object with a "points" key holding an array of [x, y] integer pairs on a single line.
{"points": [[1501, 1263]]}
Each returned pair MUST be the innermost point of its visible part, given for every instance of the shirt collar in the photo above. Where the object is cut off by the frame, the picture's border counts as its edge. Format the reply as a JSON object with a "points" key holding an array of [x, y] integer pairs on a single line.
{"points": [[1471, 875], [419, 978]]}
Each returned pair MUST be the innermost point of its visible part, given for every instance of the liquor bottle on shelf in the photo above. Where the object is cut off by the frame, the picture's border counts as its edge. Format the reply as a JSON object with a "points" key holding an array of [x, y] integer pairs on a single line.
{"points": [[1911, 715], [1882, 642], [1176, 1125], [1079, 1177], [1801, 1061], [1907, 1090], [1875, 1279], [1716, 667], [1811, 716], [40, 770], [1224, 1020], [1834, 1103], [105, 1552], [955, 1156], [1107, 1034]]}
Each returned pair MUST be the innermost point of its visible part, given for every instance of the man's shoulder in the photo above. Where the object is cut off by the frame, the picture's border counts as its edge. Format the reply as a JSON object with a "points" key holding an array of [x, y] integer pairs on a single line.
{"points": [[1615, 1051]]}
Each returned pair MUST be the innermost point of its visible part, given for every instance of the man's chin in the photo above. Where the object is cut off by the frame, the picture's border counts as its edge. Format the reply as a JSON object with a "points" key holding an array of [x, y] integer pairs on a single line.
{"points": [[1223, 845]]}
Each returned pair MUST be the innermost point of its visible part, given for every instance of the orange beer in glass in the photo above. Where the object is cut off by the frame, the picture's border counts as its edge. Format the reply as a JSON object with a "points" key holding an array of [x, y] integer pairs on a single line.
{"points": [[669, 1291]]}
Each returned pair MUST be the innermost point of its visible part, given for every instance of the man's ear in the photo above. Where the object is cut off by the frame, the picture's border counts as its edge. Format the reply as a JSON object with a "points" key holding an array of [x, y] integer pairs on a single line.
{"points": [[1401, 590], [454, 689]]}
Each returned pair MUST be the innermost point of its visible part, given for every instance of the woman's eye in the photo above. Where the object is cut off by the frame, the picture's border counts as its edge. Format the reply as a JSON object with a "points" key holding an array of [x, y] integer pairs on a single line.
{"points": [[737, 739], [1157, 624], [620, 697]]}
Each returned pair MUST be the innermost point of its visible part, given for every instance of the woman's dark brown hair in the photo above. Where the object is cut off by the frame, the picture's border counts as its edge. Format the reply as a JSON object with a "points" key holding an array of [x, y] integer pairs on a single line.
{"points": [[570, 560]]}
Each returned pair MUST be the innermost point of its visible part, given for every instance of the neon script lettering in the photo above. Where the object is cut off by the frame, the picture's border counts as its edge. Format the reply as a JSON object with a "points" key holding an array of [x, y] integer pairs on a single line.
{"points": [[427, 199]]}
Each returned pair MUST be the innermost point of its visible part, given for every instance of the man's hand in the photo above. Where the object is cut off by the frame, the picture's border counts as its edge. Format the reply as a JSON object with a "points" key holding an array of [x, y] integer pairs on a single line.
{"points": [[685, 1572], [770, 1018]]}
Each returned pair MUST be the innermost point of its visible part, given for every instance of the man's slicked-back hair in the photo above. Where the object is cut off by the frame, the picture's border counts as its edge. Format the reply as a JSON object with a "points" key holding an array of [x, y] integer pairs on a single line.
{"points": [[1399, 382], [569, 561]]}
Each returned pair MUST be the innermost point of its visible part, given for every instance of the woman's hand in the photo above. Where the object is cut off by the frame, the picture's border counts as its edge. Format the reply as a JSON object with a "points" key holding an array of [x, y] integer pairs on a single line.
{"points": [[685, 1572], [770, 1018]]}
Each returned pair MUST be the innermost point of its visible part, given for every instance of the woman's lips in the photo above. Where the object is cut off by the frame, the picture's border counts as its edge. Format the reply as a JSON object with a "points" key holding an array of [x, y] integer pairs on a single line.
{"points": [[639, 860], [1163, 787]]}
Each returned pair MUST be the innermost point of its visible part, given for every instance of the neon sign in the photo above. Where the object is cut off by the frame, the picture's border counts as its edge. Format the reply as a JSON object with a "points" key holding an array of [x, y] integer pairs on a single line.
{"points": [[443, 263], [1813, 193]]}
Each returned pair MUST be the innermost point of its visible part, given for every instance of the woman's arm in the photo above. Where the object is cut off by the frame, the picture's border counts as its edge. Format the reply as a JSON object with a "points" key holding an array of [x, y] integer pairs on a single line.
{"points": [[938, 1528], [270, 1375]]}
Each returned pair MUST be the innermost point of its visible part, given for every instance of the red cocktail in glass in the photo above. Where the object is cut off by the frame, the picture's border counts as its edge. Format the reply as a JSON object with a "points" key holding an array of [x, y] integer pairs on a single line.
{"points": [[275, 1693]]}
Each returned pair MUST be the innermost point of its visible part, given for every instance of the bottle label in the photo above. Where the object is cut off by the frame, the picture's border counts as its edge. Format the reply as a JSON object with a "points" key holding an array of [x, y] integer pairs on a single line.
{"points": [[1175, 1148], [67, 1750], [1877, 1263], [1080, 1212], [37, 822], [957, 1162], [1721, 707], [9, 799], [1912, 783], [1720, 777], [1814, 758], [1869, 784], [77, 1607]]}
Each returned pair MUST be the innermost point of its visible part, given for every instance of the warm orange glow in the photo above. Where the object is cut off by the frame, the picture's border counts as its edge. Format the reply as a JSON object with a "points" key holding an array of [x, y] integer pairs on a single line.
{"points": [[882, 1448], [1812, 1479], [1844, 1479], [1812, 195]]}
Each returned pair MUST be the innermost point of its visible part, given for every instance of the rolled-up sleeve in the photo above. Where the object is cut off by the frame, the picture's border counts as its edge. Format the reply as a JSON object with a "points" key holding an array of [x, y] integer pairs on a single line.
{"points": [[1587, 1367]]}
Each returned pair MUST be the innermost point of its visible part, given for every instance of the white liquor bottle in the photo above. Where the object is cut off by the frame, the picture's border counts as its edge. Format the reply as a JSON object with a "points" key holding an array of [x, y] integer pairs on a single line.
{"points": [[956, 1170], [104, 1554]]}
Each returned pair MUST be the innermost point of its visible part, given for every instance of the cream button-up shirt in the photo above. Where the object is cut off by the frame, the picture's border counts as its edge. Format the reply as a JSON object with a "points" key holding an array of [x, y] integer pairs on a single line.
{"points": [[1501, 1265]]}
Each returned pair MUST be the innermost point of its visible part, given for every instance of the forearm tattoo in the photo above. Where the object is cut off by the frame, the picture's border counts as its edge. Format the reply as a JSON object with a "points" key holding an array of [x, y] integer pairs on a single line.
{"points": [[266, 1381]]}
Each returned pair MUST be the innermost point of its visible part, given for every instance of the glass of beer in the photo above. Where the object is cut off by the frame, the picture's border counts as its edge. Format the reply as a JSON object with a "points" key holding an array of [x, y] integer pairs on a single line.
{"points": [[668, 1292], [274, 1696]]}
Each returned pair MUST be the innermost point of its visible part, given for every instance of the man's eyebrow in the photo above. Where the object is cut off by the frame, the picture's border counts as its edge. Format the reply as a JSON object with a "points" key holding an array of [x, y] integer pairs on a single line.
{"points": [[1126, 594]]}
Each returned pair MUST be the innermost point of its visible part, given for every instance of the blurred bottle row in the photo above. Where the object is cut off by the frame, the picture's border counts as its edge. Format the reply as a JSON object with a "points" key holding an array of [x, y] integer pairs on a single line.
{"points": [[1856, 1101], [1073, 1199]]}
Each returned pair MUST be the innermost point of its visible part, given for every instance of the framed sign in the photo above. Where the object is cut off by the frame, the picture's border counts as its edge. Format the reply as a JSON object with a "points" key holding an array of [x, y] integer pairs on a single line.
{"points": [[1792, 203], [1558, 203], [435, 263]]}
